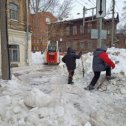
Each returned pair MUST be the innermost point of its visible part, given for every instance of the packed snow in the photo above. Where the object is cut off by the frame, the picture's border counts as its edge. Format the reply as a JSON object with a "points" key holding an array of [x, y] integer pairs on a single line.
{"points": [[39, 95]]}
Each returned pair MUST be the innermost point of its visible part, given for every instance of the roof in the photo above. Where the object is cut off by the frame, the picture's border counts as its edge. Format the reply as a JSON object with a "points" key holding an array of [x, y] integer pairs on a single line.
{"points": [[88, 19]]}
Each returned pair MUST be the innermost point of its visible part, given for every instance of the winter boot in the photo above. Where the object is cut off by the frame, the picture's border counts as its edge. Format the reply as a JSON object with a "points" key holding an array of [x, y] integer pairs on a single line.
{"points": [[89, 87], [110, 77], [70, 81]]}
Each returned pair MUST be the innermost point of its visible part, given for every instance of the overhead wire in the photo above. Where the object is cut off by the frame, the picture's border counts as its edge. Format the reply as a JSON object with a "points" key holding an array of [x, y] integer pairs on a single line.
{"points": [[88, 2], [84, 3], [92, 2]]}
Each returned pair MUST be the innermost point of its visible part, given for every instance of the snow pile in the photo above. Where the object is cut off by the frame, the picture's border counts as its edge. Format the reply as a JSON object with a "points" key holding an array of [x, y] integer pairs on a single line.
{"points": [[87, 124], [37, 58], [40, 95], [117, 55], [37, 98]]}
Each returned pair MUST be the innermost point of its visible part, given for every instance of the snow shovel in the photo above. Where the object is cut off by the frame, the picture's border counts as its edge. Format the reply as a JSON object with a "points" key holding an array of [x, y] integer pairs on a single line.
{"points": [[82, 66]]}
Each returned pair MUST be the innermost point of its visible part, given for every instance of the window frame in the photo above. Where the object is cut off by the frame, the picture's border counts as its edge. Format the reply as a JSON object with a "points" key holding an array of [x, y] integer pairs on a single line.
{"points": [[90, 44], [13, 13], [67, 31], [48, 20], [81, 45], [81, 29], [12, 51], [74, 30], [89, 25]]}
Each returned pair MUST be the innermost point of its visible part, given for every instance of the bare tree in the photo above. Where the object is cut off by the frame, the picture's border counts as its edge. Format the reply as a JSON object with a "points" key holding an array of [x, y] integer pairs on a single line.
{"points": [[63, 10], [60, 8], [124, 11], [122, 28]]}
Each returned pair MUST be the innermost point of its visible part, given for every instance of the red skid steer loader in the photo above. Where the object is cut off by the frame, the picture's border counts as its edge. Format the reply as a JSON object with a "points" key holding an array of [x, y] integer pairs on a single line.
{"points": [[51, 54]]}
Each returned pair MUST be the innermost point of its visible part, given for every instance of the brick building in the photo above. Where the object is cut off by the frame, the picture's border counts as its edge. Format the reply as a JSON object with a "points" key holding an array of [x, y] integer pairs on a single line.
{"points": [[72, 33], [39, 25], [121, 40], [19, 45]]}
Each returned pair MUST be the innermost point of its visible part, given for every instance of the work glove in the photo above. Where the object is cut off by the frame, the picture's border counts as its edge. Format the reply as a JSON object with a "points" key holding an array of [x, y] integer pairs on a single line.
{"points": [[113, 66]]}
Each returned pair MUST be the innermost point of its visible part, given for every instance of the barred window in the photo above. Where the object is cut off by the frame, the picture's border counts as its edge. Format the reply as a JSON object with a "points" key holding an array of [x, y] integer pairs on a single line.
{"points": [[14, 53], [13, 11]]}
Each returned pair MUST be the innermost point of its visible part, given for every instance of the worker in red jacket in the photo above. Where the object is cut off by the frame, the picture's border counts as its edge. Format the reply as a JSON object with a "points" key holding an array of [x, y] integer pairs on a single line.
{"points": [[101, 62]]}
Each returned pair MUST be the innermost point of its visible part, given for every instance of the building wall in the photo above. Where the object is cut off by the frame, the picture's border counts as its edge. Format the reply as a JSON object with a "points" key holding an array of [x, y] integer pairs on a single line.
{"points": [[40, 30], [72, 40], [19, 38], [0, 52], [79, 41], [121, 41], [21, 23], [17, 34]]}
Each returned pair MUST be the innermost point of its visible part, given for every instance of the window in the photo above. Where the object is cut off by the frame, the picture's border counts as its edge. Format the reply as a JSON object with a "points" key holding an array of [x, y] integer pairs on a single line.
{"points": [[89, 27], [14, 53], [81, 45], [51, 48], [74, 30], [68, 44], [34, 48], [37, 48], [108, 31], [74, 45], [67, 31], [13, 11], [90, 45], [81, 29], [48, 21]]}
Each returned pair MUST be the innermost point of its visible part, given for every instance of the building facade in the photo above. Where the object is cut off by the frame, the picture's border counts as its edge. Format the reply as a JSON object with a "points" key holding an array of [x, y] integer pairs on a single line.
{"points": [[121, 40], [19, 38], [74, 34], [39, 25]]}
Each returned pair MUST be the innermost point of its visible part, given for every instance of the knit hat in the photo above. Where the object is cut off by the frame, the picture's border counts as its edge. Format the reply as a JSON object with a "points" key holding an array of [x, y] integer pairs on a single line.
{"points": [[104, 48]]}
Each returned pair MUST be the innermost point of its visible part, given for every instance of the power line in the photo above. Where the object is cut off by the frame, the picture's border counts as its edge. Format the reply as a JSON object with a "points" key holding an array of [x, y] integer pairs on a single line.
{"points": [[79, 2], [92, 2], [117, 7]]}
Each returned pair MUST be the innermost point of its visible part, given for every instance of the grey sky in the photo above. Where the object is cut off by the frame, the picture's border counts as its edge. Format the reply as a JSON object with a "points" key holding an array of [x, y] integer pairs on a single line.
{"points": [[78, 6]]}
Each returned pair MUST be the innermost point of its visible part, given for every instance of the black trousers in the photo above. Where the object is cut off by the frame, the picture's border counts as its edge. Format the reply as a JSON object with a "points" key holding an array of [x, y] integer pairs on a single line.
{"points": [[70, 76], [97, 75]]}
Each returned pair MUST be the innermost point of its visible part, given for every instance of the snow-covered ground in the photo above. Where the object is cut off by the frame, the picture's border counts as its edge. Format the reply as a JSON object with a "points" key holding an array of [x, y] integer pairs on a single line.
{"points": [[39, 95]]}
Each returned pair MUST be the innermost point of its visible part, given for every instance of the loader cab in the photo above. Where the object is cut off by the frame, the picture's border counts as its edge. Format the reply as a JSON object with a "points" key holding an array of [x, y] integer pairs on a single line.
{"points": [[52, 54], [52, 48]]}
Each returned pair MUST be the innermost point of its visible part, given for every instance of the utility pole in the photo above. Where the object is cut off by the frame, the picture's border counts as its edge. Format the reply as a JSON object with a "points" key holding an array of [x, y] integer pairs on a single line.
{"points": [[84, 12], [100, 13], [113, 23], [84, 9], [5, 63], [27, 32], [99, 32]]}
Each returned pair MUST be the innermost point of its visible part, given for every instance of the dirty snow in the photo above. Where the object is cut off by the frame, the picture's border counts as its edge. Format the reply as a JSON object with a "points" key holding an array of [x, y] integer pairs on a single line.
{"points": [[39, 95]]}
